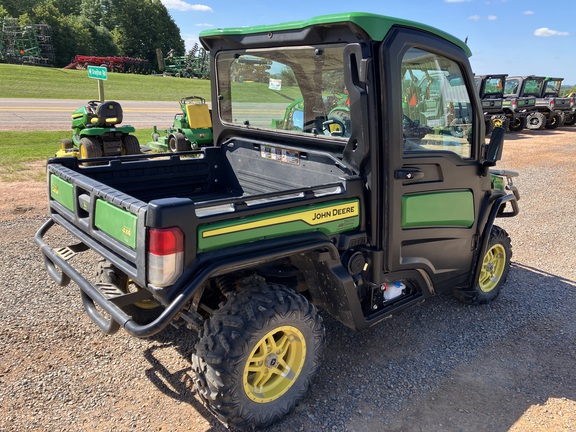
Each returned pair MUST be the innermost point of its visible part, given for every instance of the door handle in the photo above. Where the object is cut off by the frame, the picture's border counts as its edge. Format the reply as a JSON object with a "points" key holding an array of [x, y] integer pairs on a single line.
{"points": [[408, 174]]}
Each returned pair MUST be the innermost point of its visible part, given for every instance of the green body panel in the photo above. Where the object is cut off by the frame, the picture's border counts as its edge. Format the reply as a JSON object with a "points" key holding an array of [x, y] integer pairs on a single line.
{"points": [[375, 26], [444, 208], [98, 131], [116, 222], [498, 182], [62, 191], [328, 218]]}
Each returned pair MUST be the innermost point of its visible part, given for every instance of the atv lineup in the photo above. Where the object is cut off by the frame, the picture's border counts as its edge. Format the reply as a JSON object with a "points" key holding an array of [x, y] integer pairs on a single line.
{"points": [[551, 110], [508, 111]]}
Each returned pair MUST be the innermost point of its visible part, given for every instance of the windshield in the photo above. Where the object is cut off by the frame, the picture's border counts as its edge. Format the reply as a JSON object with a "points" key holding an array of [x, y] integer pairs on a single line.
{"points": [[532, 87], [297, 90], [494, 86], [552, 88]]}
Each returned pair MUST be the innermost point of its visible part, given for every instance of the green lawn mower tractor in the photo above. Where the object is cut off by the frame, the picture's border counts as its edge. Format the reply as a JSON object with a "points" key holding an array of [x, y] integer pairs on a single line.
{"points": [[96, 132], [191, 129]]}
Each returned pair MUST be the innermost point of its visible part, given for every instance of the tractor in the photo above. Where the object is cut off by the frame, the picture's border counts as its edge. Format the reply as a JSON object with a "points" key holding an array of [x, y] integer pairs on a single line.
{"points": [[96, 132], [191, 129]]}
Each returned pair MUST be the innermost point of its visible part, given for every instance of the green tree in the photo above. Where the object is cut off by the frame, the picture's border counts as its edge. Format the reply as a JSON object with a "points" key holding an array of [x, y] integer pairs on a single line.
{"points": [[3, 12], [138, 40], [15, 8], [134, 28]]}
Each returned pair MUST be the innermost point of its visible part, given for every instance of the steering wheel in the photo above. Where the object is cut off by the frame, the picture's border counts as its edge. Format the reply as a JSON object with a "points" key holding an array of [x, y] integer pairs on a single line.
{"points": [[333, 127], [342, 116], [187, 98], [93, 105]]}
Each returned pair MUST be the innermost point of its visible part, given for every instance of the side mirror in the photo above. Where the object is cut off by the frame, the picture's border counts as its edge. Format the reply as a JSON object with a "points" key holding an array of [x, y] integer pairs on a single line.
{"points": [[494, 149]]}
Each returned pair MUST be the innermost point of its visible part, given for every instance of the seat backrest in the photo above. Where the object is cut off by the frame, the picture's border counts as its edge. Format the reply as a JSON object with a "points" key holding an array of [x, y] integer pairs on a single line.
{"points": [[109, 113], [198, 116]]}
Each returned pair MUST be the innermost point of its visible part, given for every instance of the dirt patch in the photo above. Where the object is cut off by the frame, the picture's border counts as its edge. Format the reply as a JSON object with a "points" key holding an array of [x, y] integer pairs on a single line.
{"points": [[442, 366], [24, 198]]}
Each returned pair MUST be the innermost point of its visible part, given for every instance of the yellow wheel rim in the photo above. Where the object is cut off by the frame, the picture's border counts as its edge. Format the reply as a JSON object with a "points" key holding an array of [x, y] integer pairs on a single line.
{"points": [[274, 364], [492, 267], [498, 122]]}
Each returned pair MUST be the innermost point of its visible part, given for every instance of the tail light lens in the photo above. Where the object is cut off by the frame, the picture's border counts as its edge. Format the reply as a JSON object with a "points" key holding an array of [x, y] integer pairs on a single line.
{"points": [[552, 103], [514, 105], [165, 256], [572, 101]]}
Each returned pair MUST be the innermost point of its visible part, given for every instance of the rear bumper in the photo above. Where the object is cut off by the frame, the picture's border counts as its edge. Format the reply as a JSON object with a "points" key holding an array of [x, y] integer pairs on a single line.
{"points": [[62, 272]]}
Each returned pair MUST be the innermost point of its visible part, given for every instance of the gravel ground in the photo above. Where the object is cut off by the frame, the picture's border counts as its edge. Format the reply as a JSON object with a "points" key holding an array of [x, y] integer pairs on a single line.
{"points": [[441, 366]]}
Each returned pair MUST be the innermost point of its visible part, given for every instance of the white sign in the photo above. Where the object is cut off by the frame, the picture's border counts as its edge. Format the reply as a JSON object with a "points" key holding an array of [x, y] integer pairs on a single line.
{"points": [[275, 84]]}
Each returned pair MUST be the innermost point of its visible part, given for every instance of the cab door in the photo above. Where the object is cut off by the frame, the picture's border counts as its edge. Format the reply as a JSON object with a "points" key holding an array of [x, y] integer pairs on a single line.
{"points": [[434, 188]]}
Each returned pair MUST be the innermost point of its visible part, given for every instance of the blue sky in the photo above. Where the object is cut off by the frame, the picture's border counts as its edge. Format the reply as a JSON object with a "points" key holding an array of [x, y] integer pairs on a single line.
{"points": [[517, 37]]}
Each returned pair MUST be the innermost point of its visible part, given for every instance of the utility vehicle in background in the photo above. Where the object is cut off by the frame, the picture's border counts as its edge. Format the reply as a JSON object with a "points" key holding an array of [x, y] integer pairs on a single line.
{"points": [[550, 110], [245, 240], [508, 112]]}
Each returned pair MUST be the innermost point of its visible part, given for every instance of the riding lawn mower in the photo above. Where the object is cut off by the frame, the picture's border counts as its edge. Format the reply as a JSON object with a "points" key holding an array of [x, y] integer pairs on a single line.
{"points": [[191, 129], [96, 132]]}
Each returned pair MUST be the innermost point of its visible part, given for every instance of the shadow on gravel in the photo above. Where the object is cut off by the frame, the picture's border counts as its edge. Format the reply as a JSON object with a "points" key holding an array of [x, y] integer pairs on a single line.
{"points": [[528, 134], [439, 366], [177, 384]]}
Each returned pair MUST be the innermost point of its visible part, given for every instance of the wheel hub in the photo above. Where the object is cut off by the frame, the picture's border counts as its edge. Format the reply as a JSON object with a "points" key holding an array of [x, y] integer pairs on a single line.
{"points": [[271, 360]]}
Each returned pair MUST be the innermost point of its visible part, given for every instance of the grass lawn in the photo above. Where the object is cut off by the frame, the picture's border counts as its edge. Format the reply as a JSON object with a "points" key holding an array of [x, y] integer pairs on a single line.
{"points": [[50, 83], [19, 149]]}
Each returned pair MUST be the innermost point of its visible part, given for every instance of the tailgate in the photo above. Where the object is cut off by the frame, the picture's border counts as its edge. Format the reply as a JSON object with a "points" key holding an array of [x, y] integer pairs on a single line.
{"points": [[107, 220]]}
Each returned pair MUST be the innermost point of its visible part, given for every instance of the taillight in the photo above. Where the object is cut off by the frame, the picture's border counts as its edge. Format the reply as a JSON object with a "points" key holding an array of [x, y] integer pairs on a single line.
{"points": [[514, 105], [572, 102], [165, 255], [552, 103]]}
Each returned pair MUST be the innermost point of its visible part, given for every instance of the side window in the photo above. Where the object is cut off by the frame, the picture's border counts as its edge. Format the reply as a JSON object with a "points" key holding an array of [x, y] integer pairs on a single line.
{"points": [[437, 111]]}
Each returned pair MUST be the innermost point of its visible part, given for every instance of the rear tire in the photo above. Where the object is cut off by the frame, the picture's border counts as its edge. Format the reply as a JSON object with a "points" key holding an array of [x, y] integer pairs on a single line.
{"points": [[90, 147], [493, 273], [517, 124], [535, 121], [130, 145], [570, 120], [553, 122], [257, 355], [488, 127]]}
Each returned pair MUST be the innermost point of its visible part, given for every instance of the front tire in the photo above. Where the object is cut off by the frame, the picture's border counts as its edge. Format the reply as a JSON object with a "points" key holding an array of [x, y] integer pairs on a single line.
{"points": [[257, 355], [493, 273], [177, 142]]}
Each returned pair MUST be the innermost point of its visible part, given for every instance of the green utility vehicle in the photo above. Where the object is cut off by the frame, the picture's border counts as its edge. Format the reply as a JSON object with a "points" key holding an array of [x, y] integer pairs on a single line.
{"points": [[551, 109], [245, 240], [191, 129], [508, 112], [96, 132]]}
